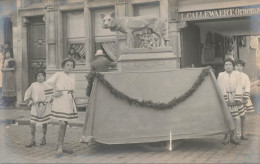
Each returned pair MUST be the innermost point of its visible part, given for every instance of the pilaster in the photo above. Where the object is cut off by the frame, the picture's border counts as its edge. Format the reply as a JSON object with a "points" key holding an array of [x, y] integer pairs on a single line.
{"points": [[121, 10], [88, 34], [51, 36]]}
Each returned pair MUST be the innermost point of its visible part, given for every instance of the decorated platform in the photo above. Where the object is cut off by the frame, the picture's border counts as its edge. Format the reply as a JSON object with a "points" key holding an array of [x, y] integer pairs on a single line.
{"points": [[152, 106]]}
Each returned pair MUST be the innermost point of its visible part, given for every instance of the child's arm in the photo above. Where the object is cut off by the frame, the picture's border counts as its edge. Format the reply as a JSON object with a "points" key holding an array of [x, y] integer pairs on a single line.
{"points": [[239, 88], [247, 89], [28, 96], [221, 86], [52, 80]]}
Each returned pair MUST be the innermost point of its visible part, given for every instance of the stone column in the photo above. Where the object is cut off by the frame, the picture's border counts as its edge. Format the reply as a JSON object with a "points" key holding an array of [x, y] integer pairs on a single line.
{"points": [[51, 35], [20, 52], [19, 4], [1, 30], [175, 29], [164, 14], [121, 10], [88, 34]]}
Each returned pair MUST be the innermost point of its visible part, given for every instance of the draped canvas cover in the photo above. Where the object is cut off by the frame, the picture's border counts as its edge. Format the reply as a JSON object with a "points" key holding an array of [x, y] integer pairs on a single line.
{"points": [[111, 120]]}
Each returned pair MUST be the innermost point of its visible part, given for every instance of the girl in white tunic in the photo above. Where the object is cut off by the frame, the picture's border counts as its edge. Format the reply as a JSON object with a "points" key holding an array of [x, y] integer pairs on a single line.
{"points": [[40, 106], [245, 82], [63, 107], [232, 91]]}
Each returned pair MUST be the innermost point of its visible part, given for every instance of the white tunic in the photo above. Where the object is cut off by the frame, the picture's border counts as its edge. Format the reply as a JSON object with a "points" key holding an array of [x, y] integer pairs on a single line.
{"points": [[63, 107], [41, 108], [232, 91], [246, 92]]}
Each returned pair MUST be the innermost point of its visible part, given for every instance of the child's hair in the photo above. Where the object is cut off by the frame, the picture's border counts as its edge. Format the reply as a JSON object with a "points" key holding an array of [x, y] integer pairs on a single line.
{"points": [[40, 71], [66, 60], [230, 60], [239, 61]]}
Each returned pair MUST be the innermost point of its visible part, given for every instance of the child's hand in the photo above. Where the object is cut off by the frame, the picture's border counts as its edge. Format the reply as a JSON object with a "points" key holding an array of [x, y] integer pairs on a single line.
{"points": [[30, 103], [57, 94], [231, 103], [244, 101]]}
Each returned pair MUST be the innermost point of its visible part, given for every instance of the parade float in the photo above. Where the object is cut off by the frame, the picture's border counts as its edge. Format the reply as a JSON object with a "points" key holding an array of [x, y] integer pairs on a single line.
{"points": [[149, 100]]}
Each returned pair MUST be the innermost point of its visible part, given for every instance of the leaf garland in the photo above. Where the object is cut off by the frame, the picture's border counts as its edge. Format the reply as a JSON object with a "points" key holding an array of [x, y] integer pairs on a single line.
{"points": [[148, 103]]}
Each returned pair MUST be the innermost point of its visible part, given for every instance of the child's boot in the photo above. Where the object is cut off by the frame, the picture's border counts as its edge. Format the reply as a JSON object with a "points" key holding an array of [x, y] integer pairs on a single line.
{"points": [[33, 129], [233, 138], [61, 134], [44, 131], [226, 139], [243, 135]]}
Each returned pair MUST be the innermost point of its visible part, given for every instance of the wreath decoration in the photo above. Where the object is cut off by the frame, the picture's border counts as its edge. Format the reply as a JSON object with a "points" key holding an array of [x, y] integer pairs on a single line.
{"points": [[148, 103]]}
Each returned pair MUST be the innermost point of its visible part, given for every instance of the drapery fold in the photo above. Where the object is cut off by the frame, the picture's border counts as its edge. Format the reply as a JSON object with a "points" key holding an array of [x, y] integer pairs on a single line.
{"points": [[110, 48]]}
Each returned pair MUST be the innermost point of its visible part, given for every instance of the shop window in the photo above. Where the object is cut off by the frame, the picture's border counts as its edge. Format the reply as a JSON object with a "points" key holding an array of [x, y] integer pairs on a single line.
{"points": [[62, 2], [32, 2], [147, 9], [74, 40]]}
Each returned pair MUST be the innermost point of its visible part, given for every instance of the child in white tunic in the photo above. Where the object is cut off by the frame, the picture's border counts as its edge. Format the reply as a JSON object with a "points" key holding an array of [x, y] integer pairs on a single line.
{"points": [[63, 107], [245, 82], [232, 91], [40, 106]]}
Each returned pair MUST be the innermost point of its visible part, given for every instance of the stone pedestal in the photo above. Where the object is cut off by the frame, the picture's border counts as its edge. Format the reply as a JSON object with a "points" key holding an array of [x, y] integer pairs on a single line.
{"points": [[140, 59]]}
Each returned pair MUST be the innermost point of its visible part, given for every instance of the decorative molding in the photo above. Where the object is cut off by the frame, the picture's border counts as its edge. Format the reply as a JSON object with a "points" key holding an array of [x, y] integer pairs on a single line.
{"points": [[241, 41], [92, 5], [34, 12], [25, 21], [44, 17], [14, 19]]}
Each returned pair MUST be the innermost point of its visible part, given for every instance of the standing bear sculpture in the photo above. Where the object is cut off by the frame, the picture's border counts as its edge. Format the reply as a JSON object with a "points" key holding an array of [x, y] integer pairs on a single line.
{"points": [[130, 25]]}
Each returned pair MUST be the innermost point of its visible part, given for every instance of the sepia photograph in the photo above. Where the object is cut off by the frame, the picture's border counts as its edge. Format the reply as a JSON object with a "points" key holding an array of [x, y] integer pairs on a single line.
{"points": [[130, 81]]}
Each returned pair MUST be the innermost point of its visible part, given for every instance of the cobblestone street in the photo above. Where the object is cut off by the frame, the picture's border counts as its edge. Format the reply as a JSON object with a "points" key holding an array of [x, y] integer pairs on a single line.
{"points": [[203, 150]]}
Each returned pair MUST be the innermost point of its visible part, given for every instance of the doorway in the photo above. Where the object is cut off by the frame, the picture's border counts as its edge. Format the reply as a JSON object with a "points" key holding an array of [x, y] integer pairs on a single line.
{"points": [[36, 47], [191, 47]]}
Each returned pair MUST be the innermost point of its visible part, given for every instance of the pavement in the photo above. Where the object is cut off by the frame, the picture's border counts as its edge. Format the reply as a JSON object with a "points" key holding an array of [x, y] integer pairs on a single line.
{"points": [[201, 150]]}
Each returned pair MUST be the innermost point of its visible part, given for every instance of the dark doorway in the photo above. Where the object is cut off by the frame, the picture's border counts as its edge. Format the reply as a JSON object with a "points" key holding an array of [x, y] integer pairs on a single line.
{"points": [[36, 47], [191, 47]]}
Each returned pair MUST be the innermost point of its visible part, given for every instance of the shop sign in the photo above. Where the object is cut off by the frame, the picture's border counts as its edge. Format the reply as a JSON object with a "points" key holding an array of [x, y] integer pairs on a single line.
{"points": [[219, 13]]}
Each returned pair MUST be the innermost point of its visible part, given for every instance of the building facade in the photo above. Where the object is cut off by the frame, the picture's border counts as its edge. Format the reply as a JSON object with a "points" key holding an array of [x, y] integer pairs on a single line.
{"points": [[200, 33]]}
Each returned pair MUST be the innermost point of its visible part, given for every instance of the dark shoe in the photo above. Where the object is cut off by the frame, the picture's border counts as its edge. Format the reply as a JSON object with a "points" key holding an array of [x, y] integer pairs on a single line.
{"points": [[31, 144], [234, 142], [43, 142], [244, 138], [226, 141], [68, 151], [59, 152]]}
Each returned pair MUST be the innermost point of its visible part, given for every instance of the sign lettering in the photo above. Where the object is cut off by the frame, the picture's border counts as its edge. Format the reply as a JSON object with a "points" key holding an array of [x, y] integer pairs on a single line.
{"points": [[219, 13]]}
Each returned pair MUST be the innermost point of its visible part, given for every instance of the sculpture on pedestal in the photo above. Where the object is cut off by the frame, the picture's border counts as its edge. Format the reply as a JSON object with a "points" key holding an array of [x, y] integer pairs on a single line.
{"points": [[149, 31]]}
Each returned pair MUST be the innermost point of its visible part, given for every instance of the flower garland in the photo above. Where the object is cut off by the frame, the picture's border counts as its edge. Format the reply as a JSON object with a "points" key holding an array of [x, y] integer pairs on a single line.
{"points": [[149, 104]]}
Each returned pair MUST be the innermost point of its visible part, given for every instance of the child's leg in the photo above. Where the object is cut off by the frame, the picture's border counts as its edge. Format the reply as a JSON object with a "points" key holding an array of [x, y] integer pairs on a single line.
{"points": [[226, 138], [33, 129], [233, 138], [61, 134], [44, 131], [243, 119]]}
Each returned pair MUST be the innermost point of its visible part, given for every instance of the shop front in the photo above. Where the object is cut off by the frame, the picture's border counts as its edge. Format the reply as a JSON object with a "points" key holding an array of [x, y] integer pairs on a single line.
{"points": [[214, 33]]}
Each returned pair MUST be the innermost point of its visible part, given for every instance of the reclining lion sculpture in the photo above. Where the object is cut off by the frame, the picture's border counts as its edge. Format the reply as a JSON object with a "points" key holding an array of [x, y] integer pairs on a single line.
{"points": [[130, 25]]}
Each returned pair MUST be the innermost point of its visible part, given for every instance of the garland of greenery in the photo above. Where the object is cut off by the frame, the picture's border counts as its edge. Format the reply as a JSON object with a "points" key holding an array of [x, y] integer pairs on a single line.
{"points": [[149, 104]]}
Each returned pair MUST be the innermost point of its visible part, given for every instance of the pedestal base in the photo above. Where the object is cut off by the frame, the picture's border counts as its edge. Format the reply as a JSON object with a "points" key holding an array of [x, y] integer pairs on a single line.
{"points": [[139, 59]]}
